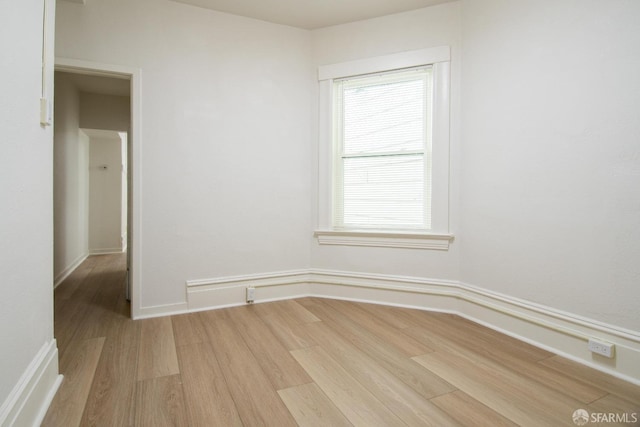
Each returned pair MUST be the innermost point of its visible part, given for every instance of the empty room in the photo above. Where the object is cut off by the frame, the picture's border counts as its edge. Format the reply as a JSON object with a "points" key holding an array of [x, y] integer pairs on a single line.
{"points": [[356, 212]]}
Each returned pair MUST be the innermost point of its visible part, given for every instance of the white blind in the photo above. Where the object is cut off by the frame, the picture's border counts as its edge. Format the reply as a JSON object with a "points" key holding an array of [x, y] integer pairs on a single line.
{"points": [[382, 133]]}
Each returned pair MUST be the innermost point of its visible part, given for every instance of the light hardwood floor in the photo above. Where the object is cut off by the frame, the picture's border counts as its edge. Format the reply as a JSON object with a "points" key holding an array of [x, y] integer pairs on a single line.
{"points": [[310, 362]]}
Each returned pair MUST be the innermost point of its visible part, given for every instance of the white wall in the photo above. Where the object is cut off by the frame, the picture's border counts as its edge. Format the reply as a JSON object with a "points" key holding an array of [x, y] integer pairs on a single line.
{"points": [[71, 180], [545, 165], [26, 210], [550, 156], [105, 194], [225, 137], [544, 197], [543, 202], [424, 28]]}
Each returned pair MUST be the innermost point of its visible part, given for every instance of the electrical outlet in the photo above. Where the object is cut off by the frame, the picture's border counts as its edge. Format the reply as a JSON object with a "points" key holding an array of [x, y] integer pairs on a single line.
{"points": [[251, 294], [602, 348]]}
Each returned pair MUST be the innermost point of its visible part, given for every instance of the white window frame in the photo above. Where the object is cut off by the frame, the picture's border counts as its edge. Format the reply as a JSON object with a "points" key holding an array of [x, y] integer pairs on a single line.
{"points": [[438, 236]]}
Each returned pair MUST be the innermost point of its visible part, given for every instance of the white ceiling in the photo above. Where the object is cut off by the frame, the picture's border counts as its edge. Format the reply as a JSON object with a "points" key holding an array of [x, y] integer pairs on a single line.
{"points": [[312, 14]]}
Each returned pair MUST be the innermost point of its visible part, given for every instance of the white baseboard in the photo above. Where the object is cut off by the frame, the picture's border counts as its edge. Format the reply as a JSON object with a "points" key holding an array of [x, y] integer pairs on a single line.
{"points": [[105, 251], [562, 333], [29, 400], [160, 310], [67, 271], [230, 291]]}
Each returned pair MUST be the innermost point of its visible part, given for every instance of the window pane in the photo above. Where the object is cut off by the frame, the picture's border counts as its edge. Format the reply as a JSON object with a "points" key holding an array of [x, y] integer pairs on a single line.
{"points": [[384, 191], [382, 134], [384, 116]]}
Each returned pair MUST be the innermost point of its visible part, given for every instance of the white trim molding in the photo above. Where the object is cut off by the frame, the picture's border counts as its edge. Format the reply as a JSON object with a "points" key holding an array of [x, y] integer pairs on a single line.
{"points": [[383, 239], [394, 61], [105, 251], [560, 332], [440, 60], [29, 400], [160, 310], [230, 291], [80, 66]]}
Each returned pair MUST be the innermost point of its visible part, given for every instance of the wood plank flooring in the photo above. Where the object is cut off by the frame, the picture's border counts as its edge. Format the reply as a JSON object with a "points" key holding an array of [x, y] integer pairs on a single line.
{"points": [[307, 362]]}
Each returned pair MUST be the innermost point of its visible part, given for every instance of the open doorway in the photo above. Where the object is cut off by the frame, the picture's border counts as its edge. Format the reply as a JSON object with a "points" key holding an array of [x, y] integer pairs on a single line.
{"points": [[94, 141], [107, 191]]}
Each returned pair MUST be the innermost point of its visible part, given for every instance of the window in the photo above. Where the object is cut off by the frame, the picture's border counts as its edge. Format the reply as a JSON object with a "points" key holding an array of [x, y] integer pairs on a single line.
{"points": [[384, 151]]}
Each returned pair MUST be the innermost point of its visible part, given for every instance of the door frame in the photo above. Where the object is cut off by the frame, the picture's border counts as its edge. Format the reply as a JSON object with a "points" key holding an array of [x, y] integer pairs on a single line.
{"points": [[77, 66]]}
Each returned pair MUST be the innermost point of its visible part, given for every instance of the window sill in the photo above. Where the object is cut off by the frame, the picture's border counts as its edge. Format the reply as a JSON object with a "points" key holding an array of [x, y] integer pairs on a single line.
{"points": [[384, 239]]}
